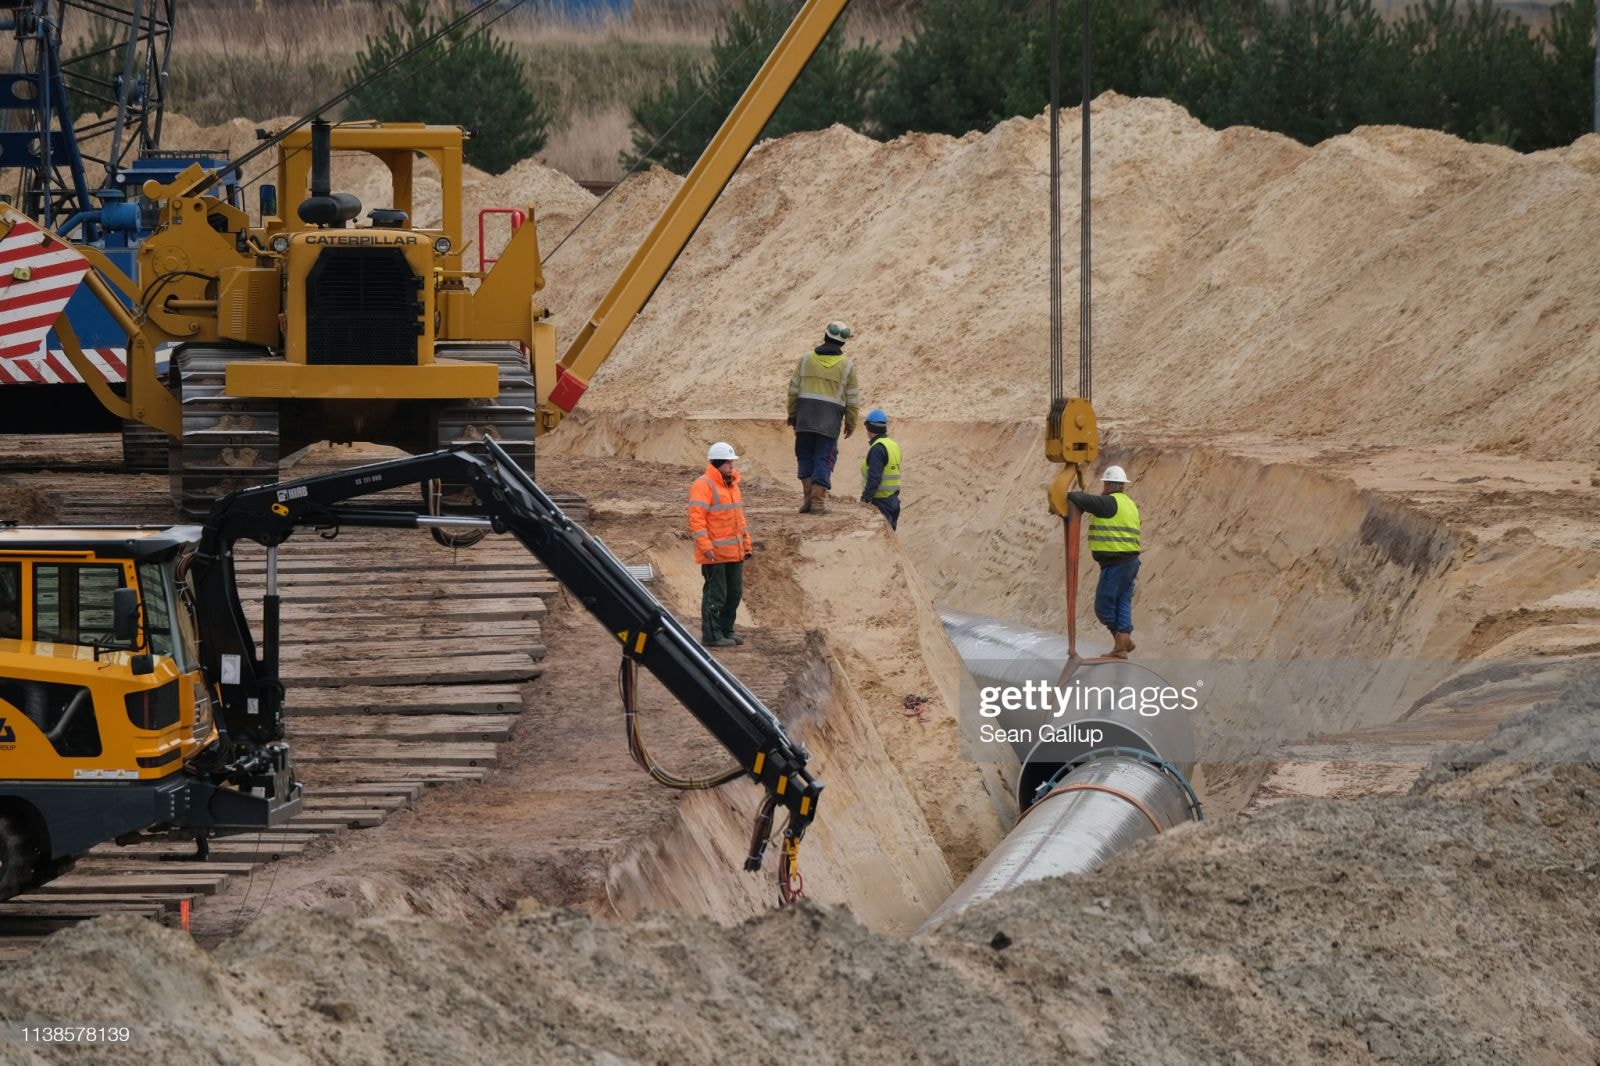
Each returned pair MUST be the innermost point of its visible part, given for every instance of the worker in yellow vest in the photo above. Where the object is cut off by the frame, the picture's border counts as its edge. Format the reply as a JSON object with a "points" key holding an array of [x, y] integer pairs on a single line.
{"points": [[824, 399], [880, 469], [1114, 541]]}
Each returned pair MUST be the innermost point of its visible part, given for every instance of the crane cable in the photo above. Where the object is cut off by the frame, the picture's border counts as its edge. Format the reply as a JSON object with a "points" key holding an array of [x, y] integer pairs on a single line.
{"points": [[1073, 520]]}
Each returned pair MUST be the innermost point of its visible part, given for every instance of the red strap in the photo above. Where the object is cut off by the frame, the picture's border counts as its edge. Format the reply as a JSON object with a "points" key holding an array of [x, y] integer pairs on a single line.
{"points": [[1070, 527]]}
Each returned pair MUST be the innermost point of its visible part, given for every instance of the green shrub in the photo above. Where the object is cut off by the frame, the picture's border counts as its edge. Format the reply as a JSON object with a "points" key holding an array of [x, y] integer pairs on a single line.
{"points": [[1121, 59], [686, 112], [468, 78], [1306, 68]]}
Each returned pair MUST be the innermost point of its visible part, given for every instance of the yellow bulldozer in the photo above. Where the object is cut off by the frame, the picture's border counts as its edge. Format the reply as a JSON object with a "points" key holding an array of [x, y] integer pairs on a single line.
{"points": [[327, 325], [318, 324]]}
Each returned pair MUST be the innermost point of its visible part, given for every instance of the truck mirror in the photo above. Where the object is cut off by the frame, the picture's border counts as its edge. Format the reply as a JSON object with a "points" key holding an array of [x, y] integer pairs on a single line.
{"points": [[125, 616], [269, 201]]}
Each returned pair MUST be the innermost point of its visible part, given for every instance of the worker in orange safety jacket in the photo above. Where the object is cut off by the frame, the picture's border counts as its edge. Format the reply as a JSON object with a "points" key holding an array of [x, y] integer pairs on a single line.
{"points": [[721, 545]]}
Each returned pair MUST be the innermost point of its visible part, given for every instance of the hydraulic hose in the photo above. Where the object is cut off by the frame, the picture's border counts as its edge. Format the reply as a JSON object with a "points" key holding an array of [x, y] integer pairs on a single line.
{"points": [[627, 685]]}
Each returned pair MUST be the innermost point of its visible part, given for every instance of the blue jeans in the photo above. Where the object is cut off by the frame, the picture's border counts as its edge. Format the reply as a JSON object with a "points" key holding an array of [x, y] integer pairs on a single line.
{"points": [[889, 507], [1113, 597], [815, 455]]}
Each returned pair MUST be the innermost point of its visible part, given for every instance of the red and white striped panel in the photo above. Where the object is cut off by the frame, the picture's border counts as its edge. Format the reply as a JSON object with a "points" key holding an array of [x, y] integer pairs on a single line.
{"points": [[54, 368], [38, 275]]}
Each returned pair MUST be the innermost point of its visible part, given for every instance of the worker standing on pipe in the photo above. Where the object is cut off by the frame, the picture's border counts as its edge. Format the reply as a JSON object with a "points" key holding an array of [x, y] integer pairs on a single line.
{"points": [[880, 470], [1114, 541], [823, 395], [721, 545]]}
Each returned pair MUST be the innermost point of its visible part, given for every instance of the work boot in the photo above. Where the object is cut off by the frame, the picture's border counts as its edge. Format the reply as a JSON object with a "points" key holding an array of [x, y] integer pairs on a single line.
{"points": [[819, 499], [721, 642], [736, 638], [1122, 644], [805, 495]]}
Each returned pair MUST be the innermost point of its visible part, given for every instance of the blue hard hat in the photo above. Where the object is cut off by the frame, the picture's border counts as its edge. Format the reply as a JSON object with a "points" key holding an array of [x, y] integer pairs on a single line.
{"points": [[876, 417]]}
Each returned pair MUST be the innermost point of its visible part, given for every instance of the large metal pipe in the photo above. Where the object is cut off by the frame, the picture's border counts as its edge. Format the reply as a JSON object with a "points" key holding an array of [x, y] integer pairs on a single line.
{"points": [[1104, 775]]}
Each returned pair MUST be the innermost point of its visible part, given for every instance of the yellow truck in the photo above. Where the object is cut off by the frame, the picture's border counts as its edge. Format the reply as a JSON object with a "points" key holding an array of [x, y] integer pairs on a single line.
{"points": [[109, 724]]}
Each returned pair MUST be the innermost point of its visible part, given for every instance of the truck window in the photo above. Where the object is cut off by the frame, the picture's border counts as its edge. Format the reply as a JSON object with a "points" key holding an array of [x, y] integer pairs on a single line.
{"points": [[72, 601], [157, 609], [10, 601]]}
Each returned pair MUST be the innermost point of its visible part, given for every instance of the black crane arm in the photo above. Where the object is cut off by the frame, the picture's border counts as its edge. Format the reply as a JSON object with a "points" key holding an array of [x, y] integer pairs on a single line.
{"points": [[509, 501]]}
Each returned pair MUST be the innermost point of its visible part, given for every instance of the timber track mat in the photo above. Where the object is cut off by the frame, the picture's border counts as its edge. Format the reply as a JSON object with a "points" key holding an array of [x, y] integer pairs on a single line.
{"points": [[404, 663]]}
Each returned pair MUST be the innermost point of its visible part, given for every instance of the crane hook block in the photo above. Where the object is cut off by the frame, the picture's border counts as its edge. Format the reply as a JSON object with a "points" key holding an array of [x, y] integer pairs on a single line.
{"points": [[1072, 435]]}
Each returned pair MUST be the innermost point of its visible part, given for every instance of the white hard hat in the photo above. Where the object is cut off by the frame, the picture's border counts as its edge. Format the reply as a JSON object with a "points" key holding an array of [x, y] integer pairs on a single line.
{"points": [[720, 450], [838, 331], [1115, 473]]}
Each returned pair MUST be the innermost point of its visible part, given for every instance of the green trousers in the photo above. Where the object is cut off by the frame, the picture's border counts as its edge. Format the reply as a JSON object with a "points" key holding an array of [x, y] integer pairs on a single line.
{"points": [[719, 599]]}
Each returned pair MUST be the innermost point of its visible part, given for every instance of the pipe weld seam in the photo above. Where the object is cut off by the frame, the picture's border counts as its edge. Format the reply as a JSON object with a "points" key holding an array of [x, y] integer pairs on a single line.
{"points": [[1090, 786]]}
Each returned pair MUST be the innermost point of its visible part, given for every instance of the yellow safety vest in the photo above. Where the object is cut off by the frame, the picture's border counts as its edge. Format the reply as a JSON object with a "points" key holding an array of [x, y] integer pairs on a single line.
{"points": [[1120, 532], [891, 469]]}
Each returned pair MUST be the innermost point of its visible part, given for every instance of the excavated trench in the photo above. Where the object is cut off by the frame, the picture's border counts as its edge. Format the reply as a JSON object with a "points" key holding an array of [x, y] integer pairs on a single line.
{"points": [[1347, 631], [1315, 608]]}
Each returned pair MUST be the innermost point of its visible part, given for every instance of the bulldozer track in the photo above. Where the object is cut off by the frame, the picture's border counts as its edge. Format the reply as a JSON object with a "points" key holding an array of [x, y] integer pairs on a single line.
{"points": [[404, 663], [509, 419], [228, 442], [144, 448]]}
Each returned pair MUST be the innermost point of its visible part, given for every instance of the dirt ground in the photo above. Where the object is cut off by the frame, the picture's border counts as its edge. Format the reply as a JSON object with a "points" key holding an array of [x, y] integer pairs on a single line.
{"points": [[568, 820], [26, 505], [1452, 925]]}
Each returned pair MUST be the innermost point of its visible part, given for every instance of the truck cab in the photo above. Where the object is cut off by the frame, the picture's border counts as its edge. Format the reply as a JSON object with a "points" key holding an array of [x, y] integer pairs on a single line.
{"points": [[108, 725], [83, 701]]}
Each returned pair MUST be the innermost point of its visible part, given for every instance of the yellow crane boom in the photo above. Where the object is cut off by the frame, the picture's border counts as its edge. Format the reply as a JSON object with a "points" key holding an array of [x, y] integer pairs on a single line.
{"points": [[700, 189]]}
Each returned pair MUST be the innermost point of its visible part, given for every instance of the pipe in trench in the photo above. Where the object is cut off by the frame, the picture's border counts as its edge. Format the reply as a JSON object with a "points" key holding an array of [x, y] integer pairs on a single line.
{"points": [[1110, 777]]}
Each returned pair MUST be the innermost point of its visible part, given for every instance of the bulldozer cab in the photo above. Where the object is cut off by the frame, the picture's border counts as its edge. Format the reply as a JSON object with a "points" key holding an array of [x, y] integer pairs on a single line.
{"points": [[397, 145], [100, 675]]}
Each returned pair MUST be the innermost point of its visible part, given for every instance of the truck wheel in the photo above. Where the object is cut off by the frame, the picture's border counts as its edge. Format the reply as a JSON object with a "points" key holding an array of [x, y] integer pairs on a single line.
{"points": [[19, 856]]}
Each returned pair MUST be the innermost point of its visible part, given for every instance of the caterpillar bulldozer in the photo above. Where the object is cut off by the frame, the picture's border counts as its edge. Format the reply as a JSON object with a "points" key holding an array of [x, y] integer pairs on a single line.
{"points": [[310, 327], [327, 325], [135, 697]]}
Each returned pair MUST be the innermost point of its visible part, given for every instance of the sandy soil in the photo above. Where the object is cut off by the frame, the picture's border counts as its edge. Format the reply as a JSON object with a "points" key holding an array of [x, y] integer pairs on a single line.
{"points": [[1388, 287], [1353, 595], [568, 820], [1454, 925]]}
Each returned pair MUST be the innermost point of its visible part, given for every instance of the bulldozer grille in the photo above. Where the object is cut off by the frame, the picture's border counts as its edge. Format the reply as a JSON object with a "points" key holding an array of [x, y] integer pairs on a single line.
{"points": [[362, 308]]}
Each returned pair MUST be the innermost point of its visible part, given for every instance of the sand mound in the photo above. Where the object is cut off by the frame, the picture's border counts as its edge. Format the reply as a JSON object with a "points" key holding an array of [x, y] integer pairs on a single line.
{"points": [[1420, 930], [1391, 285]]}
